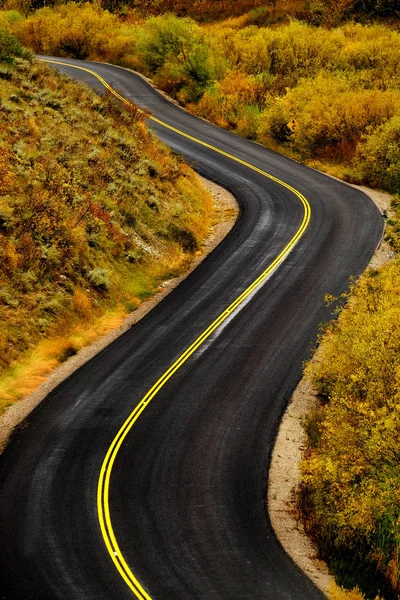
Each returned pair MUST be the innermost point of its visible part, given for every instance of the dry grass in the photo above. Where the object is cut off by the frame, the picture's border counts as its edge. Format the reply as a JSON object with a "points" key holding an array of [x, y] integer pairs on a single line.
{"points": [[90, 225], [341, 171], [29, 372], [339, 593]]}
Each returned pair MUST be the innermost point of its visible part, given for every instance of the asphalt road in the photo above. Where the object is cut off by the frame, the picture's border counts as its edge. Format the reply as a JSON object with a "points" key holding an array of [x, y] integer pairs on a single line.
{"points": [[187, 488]]}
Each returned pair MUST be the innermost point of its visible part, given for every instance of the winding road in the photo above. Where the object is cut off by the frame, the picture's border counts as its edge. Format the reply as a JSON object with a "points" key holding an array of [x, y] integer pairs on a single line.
{"points": [[114, 488]]}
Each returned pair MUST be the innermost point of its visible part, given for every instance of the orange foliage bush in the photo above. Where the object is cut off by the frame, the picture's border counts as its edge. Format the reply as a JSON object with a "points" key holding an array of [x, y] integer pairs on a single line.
{"points": [[82, 304]]}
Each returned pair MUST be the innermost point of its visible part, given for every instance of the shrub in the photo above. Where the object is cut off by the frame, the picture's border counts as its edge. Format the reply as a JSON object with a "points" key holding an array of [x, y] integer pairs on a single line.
{"points": [[166, 38], [332, 116], [176, 51], [351, 479], [99, 278], [76, 31], [378, 156], [10, 48]]}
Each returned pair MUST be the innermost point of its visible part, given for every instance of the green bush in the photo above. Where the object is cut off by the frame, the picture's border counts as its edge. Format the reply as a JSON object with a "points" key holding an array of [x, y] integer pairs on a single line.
{"points": [[166, 38], [378, 157], [10, 48], [176, 51]]}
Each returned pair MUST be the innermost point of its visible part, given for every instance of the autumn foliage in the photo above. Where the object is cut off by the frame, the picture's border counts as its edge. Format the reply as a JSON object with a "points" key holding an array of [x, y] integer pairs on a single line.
{"points": [[339, 85], [81, 31], [94, 212], [107, 201], [351, 480]]}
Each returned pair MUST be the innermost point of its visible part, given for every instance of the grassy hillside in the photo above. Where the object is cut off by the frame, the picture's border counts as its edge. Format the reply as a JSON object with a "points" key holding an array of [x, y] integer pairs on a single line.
{"points": [[94, 214]]}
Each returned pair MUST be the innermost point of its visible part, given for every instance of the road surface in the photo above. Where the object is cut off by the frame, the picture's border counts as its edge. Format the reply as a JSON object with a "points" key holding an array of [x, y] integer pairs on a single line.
{"points": [[180, 513]]}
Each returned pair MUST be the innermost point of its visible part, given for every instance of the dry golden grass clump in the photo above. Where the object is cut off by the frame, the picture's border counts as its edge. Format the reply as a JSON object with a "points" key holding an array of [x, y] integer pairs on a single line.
{"points": [[94, 213]]}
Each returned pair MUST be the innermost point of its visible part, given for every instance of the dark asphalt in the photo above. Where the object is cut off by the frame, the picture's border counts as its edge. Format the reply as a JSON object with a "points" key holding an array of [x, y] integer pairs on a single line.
{"points": [[188, 486]]}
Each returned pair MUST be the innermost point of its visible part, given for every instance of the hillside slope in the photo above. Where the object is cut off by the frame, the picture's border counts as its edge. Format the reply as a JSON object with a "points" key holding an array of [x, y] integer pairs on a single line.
{"points": [[94, 214]]}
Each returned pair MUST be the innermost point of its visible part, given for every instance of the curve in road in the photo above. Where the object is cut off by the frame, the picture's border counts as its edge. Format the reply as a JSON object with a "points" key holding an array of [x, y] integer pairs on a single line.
{"points": [[187, 487]]}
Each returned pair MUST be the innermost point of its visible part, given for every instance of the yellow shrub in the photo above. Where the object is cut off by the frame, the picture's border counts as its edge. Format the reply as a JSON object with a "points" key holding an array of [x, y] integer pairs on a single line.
{"points": [[351, 480], [332, 116], [338, 593], [75, 30]]}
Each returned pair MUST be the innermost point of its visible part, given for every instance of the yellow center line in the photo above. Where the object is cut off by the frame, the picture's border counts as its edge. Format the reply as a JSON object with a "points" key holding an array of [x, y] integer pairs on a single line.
{"points": [[103, 487]]}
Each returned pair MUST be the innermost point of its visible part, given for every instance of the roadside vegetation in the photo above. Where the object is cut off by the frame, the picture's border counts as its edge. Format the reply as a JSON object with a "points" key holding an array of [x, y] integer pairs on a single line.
{"points": [[328, 96], [94, 214], [350, 491], [316, 80]]}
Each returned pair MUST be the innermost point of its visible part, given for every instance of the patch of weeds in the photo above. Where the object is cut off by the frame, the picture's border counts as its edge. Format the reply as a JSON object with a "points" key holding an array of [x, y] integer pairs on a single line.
{"points": [[134, 256], [153, 204], [8, 299], [99, 278], [5, 73], [27, 281], [55, 304], [42, 324], [94, 240], [67, 352], [144, 294], [312, 427], [182, 236], [131, 306]]}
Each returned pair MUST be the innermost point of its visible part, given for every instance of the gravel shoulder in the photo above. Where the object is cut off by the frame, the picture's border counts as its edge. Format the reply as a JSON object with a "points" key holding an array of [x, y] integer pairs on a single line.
{"points": [[284, 476], [227, 211]]}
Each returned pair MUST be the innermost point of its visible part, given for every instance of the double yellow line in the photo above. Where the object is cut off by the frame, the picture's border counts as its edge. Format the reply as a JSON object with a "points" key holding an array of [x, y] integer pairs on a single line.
{"points": [[103, 488]]}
